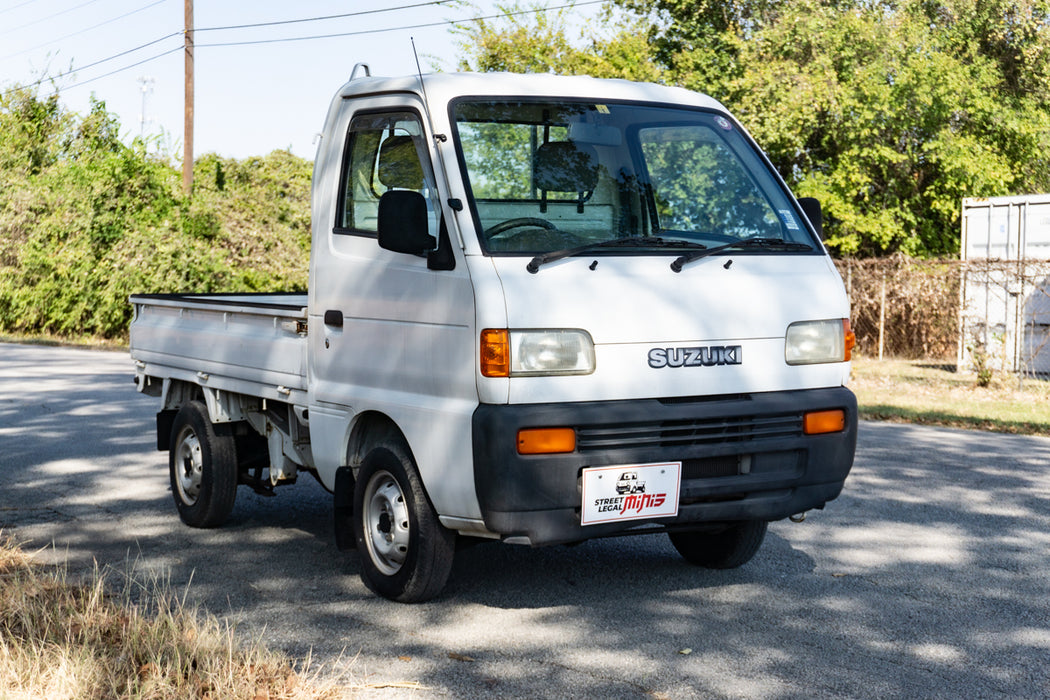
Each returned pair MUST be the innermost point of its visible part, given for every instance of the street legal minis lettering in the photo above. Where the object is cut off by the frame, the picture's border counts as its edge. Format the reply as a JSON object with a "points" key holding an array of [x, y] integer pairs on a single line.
{"points": [[708, 356], [626, 505]]}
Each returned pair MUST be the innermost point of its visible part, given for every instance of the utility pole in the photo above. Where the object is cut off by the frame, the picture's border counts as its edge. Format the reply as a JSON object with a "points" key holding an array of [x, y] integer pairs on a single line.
{"points": [[187, 129], [146, 81]]}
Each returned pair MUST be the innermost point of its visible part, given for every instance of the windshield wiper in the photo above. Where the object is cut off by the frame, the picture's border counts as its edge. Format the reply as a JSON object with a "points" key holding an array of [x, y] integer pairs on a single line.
{"points": [[757, 242], [625, 241]]}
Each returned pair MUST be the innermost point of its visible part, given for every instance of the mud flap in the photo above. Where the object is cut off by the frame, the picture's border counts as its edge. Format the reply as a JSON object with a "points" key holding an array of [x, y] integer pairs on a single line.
{"points": [[344, 509]]}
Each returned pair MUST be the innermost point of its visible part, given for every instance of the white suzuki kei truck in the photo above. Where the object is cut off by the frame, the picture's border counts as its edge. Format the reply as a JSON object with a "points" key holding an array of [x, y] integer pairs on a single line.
{"points": [[541, 310]]}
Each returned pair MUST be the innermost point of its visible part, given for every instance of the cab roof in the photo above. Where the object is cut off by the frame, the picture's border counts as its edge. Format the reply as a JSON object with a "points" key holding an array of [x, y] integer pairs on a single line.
{"points": [[441, 88]]}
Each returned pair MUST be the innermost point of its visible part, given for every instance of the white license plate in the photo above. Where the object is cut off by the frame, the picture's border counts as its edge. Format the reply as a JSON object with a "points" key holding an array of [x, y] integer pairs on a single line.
{"points": [[630, 492]]}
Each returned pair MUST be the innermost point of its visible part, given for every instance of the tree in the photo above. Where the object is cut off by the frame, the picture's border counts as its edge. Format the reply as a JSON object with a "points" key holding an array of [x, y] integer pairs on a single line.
{"points": [[889, 112], [538, 42], [877, 115], [86, 220], [32, 131]]}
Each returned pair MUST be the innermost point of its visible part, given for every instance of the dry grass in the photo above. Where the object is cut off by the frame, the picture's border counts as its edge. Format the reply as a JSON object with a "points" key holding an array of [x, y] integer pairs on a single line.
{"points": [[79, 341], [63, 639], [918, 391]]}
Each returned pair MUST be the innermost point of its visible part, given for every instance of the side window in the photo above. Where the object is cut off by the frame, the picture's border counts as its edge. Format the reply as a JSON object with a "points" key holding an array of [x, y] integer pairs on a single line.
{"points": [[382, 153]]}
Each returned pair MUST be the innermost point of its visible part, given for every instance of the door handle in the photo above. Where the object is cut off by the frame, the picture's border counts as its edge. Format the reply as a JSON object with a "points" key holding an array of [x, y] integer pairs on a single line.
{"points": [[334, 318]]}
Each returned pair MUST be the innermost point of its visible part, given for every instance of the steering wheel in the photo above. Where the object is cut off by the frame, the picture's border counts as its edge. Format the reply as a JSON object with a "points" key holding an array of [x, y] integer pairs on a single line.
{"points": [[504, 226]]}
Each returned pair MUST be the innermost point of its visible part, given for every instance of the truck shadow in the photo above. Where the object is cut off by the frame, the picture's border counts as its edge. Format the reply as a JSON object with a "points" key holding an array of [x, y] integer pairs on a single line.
{"points": [[511, 577]]}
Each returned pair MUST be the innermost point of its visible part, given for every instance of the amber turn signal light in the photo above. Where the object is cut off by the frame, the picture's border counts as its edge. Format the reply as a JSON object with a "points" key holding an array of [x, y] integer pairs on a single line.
{"points": [[495, 352], [849, 339], [819, 422], [546, 441]]}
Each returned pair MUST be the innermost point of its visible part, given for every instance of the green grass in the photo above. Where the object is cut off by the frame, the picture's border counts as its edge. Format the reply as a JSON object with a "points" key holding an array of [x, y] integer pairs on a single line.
{"points": [[927, 392]]}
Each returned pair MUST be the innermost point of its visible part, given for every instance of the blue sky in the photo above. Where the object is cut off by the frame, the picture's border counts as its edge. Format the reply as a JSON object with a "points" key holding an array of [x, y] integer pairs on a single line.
{"points": [[250, 99]]}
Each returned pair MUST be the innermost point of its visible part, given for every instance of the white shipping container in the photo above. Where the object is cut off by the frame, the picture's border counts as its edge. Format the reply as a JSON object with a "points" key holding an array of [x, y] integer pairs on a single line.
{"points": [[1005, 291]]}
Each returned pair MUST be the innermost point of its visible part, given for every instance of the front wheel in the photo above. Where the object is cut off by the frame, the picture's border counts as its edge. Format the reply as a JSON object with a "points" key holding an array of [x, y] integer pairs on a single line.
{"points": [[406, 554], [202, 465], [724, 549]]}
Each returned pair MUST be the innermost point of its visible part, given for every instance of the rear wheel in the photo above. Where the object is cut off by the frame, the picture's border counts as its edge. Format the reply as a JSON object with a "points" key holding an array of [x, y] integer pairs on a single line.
{"points": [[202, 465], [724, 549], [406, 554]]}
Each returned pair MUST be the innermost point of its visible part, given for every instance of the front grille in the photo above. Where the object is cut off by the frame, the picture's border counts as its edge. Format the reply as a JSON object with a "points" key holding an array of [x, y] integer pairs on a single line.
{"points": [[687, 432], [711, 467]]}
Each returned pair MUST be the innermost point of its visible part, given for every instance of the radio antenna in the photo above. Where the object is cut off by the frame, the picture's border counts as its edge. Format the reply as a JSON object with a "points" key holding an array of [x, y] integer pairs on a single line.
{"points": [[419, 72], [456, 204], [423, 86]]}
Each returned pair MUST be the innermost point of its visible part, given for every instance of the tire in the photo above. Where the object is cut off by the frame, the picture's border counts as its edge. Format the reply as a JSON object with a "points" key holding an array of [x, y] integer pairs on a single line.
{"points": [[406, 554], [724, 549], [202, 465]]}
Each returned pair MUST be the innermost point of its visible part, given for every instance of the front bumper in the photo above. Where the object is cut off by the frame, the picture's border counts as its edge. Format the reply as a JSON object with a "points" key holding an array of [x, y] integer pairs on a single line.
{"points": [[744, 457]]}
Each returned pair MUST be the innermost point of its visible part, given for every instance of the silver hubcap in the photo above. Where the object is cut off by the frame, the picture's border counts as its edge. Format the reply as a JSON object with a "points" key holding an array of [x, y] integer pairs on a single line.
{"points": [[386, 523], [189, 465]]}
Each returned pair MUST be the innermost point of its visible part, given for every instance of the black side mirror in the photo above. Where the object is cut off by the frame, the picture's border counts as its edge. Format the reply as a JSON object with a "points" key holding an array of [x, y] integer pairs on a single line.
{"points": [[811, 208], [403, 223]]}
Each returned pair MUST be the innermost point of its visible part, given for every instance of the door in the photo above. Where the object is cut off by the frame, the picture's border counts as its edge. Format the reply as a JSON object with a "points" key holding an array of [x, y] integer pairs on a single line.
{"points": [[390, 332]]}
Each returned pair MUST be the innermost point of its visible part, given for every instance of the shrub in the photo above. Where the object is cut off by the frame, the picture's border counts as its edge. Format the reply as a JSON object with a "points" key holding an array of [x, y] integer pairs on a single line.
{"points": [[86, 220]]}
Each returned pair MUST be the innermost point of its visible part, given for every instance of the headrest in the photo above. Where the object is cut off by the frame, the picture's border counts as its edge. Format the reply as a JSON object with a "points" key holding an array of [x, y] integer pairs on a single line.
{"points": [[399, 164], [565, 166]]}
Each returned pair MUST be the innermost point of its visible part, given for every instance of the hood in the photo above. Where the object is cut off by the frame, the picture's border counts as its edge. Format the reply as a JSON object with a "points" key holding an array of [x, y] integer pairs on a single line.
{"points": [[639, 299], [631, 305]]}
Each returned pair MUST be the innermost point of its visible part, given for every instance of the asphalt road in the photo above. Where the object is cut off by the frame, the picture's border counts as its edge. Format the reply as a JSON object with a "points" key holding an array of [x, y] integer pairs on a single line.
{"points": [[929, 576]]}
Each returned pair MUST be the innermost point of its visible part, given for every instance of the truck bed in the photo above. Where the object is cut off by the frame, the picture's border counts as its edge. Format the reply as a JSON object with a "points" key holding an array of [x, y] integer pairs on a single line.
{"points": [[251, 344]]}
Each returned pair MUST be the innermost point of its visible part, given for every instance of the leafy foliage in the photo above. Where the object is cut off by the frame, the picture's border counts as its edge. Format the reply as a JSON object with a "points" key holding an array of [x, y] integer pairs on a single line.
{"points": [[538, 43], [890, 112], [86, 220]]}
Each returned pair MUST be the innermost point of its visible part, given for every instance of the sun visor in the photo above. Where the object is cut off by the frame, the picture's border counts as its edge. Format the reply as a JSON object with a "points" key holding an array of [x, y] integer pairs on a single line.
{"points": [[595, 134]]}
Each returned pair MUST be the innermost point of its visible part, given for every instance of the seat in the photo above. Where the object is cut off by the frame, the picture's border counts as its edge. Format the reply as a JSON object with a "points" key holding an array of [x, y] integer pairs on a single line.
{"points": [[565, 166], [399, 166]]}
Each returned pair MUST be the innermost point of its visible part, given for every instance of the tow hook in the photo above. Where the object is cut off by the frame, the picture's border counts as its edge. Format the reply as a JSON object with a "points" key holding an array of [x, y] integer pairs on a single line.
{"points": [[798, 517]]}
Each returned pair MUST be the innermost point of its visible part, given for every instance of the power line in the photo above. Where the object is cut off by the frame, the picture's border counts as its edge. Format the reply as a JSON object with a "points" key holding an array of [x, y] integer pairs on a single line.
{"points": [[82, 31], [403, 27], [208, 29], [289, 39], [15, 7], [106, 60], [120, 70], [44, 19], [325, 17]]}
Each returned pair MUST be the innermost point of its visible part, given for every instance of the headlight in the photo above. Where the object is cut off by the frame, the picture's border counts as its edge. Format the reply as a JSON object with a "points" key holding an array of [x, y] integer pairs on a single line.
{"points": [[535, 353], [816, 342], [546, 352]]}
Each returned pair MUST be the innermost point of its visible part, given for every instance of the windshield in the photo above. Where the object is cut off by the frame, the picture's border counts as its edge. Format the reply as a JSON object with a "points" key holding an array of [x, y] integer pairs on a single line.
{"points": [[552, 176]]}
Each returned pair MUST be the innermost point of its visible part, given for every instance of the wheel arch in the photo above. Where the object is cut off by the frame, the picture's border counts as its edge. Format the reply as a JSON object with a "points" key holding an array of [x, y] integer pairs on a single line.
{"points": [[369, 429], [177, 392]]}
